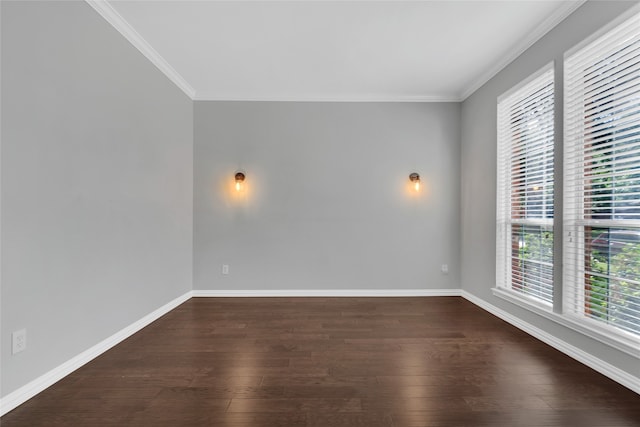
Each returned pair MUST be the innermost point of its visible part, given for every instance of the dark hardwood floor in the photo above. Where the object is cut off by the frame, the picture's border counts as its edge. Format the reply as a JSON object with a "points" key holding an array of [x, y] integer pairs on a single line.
{"points": [[326, 362]]}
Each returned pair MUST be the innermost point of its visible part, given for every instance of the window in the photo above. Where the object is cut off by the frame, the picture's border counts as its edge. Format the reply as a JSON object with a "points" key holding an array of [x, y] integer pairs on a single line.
{"points": [[524, 262], [601, 248]]}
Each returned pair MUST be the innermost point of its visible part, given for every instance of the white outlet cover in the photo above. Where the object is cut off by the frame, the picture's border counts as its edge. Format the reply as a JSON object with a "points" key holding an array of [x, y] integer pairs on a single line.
{"points": [[18, 341]]}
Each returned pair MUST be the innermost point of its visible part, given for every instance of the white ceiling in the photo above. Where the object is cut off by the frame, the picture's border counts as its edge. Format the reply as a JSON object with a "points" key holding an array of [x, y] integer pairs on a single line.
{"points": [[332, 50]]}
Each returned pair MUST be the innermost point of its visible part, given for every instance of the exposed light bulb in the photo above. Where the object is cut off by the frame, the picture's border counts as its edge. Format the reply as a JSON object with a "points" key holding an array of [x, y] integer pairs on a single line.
{"points": [[415, 179], [239, 180]]}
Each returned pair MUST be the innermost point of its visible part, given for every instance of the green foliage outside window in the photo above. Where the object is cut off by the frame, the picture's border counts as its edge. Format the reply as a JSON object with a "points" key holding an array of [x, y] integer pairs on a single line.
{"points": [[534, 253], [614, 277]]}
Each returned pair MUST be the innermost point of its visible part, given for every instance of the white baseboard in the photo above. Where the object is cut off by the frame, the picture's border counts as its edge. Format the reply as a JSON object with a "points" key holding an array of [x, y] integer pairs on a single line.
{"points": [[599, 365], [26, 392], [328, 293]]}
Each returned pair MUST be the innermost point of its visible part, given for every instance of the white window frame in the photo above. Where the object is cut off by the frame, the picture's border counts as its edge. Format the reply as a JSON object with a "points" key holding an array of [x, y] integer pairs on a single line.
{"points": [[504, 217], [624, 342], [574, 221]]}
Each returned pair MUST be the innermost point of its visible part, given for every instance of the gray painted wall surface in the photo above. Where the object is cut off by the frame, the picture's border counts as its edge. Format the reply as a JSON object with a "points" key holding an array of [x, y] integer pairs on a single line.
{"points": [[327, 203], [479, 170], [97, 169], [97, 192]]}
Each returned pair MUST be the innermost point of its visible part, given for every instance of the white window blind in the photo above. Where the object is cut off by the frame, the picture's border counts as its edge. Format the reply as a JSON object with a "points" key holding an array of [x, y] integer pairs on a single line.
{"points": [[601, 249], [524, 223]]}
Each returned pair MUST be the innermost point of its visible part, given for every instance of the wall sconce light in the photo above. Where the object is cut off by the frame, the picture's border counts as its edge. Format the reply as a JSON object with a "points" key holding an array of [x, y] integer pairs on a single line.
{"points": [[415, 179], [239, 180]]}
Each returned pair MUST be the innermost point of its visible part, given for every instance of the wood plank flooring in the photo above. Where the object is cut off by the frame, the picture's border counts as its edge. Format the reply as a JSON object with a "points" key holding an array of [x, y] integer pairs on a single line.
{"points": [[326, 362]]}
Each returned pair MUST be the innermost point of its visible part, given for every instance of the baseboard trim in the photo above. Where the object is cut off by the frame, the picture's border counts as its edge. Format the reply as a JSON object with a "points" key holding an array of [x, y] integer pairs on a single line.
{"points": [[26, 392], [599, 365], [221, 293]]}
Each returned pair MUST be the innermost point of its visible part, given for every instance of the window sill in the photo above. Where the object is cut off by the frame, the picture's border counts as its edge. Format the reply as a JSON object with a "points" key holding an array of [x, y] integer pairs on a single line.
{"points": [[628, 345]]}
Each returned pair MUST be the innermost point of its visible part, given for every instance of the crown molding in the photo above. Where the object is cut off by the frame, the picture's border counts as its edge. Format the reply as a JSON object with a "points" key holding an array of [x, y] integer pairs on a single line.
{"points": [[326, 98], [128, 32], [547, 25]]}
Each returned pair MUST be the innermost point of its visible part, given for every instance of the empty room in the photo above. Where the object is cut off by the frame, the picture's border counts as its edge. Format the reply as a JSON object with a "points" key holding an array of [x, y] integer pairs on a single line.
{"points": [[320, 213]]}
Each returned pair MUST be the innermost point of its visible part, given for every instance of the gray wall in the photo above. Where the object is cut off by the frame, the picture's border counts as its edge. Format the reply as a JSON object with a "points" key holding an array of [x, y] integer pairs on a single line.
{"points": [[98, 216], [327, 204], [479, 169], [97, 168]]}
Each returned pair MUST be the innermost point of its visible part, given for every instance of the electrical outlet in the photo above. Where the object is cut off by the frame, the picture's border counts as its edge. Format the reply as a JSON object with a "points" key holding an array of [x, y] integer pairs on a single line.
{"points": [[445, 268], [225, 269], [19, 341]]}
